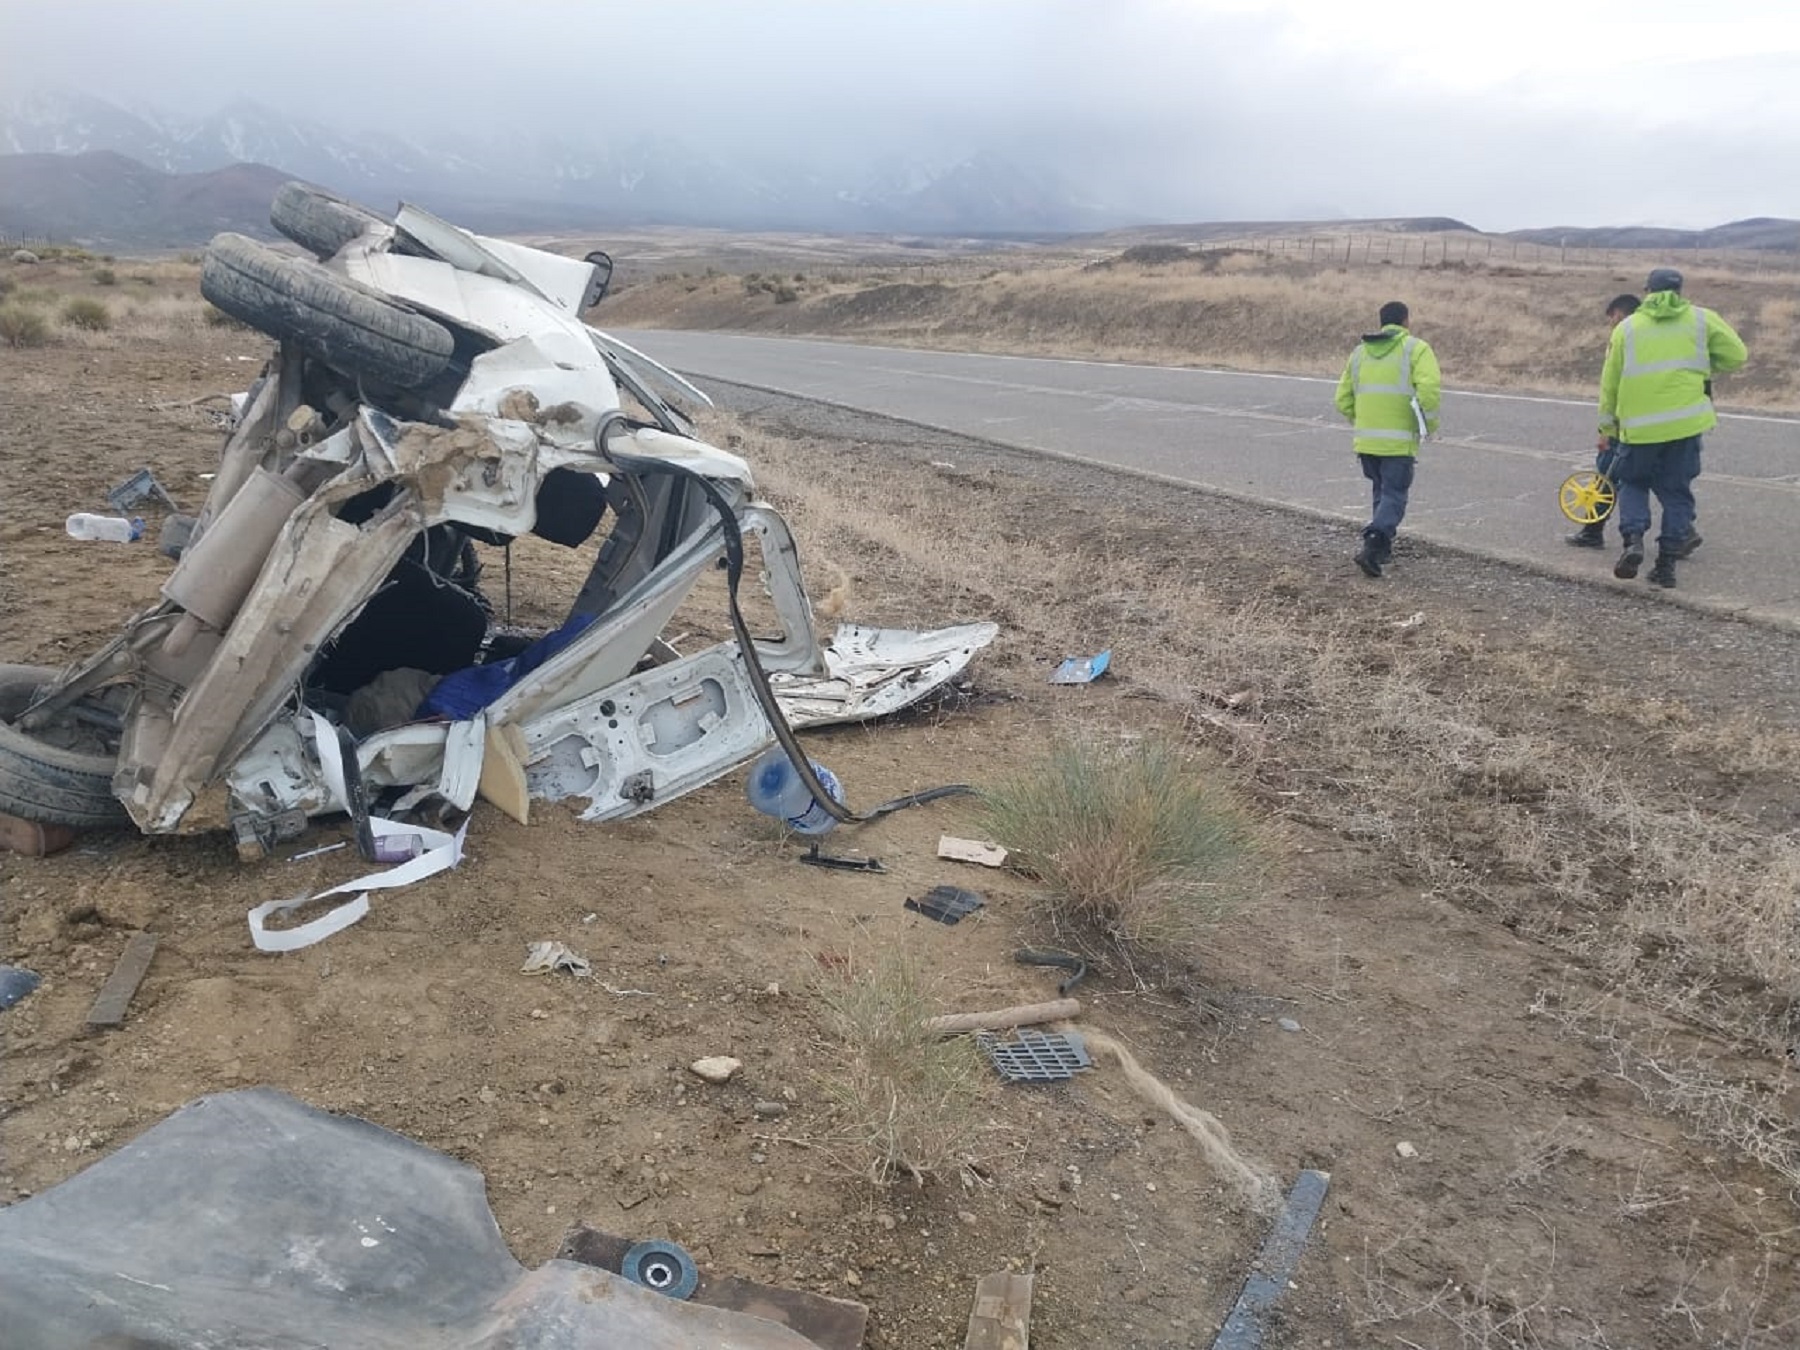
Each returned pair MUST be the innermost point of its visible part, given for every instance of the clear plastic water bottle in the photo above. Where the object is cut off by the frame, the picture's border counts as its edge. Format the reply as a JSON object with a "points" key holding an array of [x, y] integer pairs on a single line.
{"points": [[775, 789], [83, 525]]}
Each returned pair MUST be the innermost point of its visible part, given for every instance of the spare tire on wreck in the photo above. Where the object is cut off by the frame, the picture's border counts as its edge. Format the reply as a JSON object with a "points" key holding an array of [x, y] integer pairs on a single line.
{"points": [[352, 328], [317, 220], [44, 782]]}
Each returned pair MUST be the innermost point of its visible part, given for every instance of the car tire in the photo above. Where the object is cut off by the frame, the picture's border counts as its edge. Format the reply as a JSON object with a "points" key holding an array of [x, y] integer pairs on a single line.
{"points": [[352, 328], [317, 220], [43, 782]]}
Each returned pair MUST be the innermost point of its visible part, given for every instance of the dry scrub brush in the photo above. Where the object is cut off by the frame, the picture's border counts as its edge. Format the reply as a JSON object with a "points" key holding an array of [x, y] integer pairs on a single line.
{"points": [[22, 326], [907, 1102], [1140, 846]]}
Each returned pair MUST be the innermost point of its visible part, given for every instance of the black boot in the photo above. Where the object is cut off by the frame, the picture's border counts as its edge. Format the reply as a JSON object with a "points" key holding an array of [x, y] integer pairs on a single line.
{"points": [[1369, 557], [1689, 542], [1631, 559], [1591, 535], [1663, 573]]}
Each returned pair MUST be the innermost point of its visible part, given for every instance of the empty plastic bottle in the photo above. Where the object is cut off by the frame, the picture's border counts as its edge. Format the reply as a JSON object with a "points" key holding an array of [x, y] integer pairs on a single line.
{"points": [[775, 789], [83, 525]]}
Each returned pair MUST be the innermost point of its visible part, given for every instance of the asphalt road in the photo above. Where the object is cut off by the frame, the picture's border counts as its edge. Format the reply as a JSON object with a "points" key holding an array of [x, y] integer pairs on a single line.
{"points": [[1489, 482]]}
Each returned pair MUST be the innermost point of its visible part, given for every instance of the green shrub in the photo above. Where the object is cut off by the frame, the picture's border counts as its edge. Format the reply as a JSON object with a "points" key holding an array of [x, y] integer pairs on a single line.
{"points": [[906, 1102], [1141, 847], [784, 294], [23, 327], [91, 315], [105, 276]]}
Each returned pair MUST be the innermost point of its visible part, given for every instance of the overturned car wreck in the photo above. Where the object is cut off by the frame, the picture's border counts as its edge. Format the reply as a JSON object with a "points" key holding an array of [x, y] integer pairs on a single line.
{"points": [[323, 640]]}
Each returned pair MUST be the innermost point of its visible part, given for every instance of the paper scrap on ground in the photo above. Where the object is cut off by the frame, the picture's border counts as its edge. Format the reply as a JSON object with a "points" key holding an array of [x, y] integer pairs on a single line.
{"points": [[555, 956], [971, 851]]}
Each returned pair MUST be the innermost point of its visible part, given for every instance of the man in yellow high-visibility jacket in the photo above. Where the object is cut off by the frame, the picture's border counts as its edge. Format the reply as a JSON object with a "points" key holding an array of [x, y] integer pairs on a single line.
{"points": [[1389, 392], [1656, 399]]}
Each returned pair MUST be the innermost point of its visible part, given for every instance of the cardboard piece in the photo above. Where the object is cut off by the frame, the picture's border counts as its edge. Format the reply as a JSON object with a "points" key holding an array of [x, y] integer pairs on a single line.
{"points": [[976, 851], [830, 1323]]}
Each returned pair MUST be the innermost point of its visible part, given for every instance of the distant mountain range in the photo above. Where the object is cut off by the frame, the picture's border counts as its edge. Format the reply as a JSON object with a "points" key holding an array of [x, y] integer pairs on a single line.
{"points": [[104, 199], [516, 182], [75, 166], [1759, 232]]}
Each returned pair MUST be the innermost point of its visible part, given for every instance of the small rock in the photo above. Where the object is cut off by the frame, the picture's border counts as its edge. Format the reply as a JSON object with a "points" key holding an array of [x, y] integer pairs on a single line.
{"points": [[747, 1185], [716, 1068], [887, 1221], [488, 1096], [770, 1110], [967, 1217], [1405, 1149], [538, 1014], [1287, 1024], [1150, 1186], [852, 1279]]}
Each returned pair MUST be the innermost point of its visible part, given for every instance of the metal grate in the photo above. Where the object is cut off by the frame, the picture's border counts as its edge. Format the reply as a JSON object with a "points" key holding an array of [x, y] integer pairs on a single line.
{"points": [[1036, 1056]]}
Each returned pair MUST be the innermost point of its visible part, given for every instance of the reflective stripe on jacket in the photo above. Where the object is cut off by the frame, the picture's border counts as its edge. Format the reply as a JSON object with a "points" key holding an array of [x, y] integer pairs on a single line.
{"points": [[1386, 376], [1658, 364]]}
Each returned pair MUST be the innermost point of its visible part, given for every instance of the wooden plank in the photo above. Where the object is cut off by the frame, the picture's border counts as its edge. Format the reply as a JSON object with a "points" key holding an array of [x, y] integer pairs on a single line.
{"points": [[31, 838], [829, 1323], [1001, 1317], [1002, 1019], [115, 995]]}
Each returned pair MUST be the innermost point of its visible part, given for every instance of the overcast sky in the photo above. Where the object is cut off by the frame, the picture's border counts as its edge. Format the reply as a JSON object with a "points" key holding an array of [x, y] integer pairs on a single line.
{"points": [[1532, 112]]}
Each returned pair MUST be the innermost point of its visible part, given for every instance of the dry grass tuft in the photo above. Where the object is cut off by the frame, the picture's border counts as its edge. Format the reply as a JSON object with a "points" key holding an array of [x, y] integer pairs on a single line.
{"points": [[1141, 846], [1450, 754], [23, 326], [908, 1102], [87, 314]]}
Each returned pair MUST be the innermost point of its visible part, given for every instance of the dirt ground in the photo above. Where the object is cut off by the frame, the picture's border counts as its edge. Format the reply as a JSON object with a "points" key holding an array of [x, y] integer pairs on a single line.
{"points": [[1446, 999]]}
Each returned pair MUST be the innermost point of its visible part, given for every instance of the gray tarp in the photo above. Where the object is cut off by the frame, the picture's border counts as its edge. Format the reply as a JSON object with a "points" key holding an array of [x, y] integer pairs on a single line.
{"points": [[252, 1221]]}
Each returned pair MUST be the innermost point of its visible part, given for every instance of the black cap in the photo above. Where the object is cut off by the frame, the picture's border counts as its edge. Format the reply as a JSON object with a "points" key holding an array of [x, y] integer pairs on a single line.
{"points": [[1664, 279]]}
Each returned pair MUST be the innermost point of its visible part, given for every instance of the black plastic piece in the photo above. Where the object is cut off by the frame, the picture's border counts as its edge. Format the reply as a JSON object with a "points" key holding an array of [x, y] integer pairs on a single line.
{"points": [[837, 862], [946, 904]]}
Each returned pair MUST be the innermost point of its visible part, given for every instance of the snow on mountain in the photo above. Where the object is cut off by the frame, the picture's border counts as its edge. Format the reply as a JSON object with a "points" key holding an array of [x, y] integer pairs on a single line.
{"points": [[558, 179]]}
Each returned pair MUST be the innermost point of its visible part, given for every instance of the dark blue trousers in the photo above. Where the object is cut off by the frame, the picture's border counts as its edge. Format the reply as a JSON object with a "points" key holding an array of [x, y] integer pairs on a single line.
{"points": [[1390, 481], [1667, 469]]}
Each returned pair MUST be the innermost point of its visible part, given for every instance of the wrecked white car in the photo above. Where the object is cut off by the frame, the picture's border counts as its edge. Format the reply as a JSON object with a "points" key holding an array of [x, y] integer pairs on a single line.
{"points": [[323, 641]]}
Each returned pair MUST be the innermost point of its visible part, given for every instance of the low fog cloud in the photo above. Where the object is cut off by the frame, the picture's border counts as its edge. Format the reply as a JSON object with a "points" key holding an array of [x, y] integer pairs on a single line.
{"points": [[1166, 110]]}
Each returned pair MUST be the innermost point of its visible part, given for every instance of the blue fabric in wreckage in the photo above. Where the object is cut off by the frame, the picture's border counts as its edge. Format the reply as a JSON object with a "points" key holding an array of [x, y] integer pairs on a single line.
{"points": [[463, 693]]}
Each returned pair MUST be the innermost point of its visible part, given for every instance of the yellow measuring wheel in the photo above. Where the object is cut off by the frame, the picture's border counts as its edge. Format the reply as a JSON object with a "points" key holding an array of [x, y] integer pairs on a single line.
{"points": [[1587, 498]]}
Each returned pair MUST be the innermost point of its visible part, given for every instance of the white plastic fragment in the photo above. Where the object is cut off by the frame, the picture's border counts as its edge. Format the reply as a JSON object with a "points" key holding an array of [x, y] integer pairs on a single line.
{"points": [[547, 955], [442, 851]]}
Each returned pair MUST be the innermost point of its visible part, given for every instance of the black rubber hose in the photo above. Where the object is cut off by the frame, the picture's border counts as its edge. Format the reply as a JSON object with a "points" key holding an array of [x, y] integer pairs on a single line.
{"points": [[759, 679]]}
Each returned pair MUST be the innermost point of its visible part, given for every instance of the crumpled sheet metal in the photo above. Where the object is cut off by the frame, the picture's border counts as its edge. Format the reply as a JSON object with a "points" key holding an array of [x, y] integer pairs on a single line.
{"points": [[252, 1221]]}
